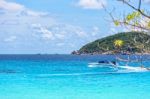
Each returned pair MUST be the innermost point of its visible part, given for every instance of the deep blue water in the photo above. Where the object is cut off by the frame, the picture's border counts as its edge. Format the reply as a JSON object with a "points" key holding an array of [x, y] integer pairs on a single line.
{"points": [[69, 77]]}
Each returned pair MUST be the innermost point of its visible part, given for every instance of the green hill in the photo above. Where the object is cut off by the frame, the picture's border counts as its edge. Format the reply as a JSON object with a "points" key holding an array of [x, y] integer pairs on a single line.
{"points": [[135, 40]]}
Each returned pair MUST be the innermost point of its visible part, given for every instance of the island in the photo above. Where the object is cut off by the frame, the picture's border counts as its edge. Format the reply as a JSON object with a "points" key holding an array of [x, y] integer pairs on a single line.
{"points": [[136, 42]]}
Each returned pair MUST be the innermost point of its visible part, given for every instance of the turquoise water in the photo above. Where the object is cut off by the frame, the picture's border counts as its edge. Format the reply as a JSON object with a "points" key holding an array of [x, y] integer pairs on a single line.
{"points": [[68, 77]]}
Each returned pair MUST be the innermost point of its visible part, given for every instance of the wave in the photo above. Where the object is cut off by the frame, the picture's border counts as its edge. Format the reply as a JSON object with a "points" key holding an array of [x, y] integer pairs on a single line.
{"points": [[67, 74], [86, 74], [119, 70]]}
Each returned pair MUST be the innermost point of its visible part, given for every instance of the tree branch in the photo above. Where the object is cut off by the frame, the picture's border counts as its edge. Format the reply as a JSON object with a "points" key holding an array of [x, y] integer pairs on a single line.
{"points": [[136, 9], [139, 7]]}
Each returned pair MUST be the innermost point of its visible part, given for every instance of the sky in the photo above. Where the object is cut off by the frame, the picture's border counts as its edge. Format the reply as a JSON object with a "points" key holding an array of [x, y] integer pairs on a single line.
{"points": [[56, 26]]}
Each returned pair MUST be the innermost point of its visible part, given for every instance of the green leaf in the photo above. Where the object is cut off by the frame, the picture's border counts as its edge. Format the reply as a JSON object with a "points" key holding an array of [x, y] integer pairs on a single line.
{"points": [[136, 23], [148, 24], [116, 23]]}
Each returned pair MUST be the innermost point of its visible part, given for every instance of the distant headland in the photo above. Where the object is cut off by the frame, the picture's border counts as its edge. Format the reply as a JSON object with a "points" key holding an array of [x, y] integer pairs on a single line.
{"points": [[136, 42]]}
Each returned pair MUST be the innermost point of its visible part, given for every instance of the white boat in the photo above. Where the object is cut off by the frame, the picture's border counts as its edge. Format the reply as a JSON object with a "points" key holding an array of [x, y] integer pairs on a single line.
{"points": [[96, 64]]}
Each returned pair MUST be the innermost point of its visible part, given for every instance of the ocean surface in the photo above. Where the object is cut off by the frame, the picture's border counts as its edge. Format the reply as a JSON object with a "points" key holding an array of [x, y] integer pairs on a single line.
{"points": [[70, 77]]}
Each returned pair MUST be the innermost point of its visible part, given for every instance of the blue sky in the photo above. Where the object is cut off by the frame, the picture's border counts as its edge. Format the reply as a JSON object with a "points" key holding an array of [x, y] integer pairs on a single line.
{"points": [[55, 26]]}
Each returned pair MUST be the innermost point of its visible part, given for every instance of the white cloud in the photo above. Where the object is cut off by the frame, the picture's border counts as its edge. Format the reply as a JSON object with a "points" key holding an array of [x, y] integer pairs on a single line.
{"points": [[59, 31], [27, 12], [92, 4], [19, 9], [35, 29], [10, 39], [10, 6], [44, 32], [81, 33], [95, 31], [60, 44], [147, 1], [60, 36]]}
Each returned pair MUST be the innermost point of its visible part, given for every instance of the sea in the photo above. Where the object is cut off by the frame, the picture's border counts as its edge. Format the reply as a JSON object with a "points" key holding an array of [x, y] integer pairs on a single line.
{"points": [[71, 77]]}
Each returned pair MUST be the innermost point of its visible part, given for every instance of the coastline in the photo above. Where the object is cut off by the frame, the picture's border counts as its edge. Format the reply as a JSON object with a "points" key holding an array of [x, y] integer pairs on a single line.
{"points": [[111, 54]]}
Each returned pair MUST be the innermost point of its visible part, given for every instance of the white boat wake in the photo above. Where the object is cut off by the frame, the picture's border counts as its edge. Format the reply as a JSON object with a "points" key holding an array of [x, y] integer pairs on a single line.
{"points": [[134, 69], [127, 69], [120, 68]]}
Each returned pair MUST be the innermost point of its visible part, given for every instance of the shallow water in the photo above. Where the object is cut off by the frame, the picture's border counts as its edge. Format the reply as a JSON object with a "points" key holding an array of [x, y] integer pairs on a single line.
{"points": [[69, 77]]}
